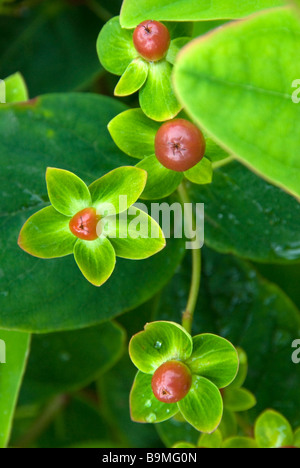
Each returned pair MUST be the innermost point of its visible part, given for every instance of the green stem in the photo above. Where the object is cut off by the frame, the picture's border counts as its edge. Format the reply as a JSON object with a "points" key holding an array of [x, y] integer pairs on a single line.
{"points": [[188, 315], [223, 162]]}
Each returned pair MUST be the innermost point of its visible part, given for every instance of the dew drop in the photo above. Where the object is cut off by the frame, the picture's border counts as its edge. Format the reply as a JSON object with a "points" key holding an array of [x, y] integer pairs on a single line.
{"points": [[148, 403], [151, 418], [158, 345]]}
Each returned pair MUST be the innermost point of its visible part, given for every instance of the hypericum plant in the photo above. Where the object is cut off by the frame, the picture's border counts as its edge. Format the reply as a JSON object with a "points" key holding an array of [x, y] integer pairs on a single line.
{"points": [[144, 57], [178, 144], [82, 220], [178, 373]]}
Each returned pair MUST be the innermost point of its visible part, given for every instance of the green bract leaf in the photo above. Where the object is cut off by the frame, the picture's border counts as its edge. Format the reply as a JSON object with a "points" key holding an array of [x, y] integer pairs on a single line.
{"points": [[243, 369], [215, 358], [157, 98], [15, 346], [238, 399], [118, 190], [228, 426], [184, 445], [175, 47], [161, 181], [135, 11], [272, 430], [297, 438], [15, 88], [158, 343], [46, 234], [67, 192], [144, 406], [213, 440], [240, 443], [133, 78], [203, 406], [202, 173], [134, 133], [96, 259], [134, 235], [115, 47], [264, 87]]}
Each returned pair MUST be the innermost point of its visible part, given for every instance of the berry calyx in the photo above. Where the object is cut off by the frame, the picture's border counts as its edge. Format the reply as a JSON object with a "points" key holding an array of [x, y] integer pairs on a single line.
{"points": [[171, 382], [179, 145], [84, 224], [152, 40]]}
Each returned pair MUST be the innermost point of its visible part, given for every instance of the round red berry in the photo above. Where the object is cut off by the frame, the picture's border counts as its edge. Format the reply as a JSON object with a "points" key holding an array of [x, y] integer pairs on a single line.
{"points": [[84, 224], [171, 382], [179, 145], [152, 40]]}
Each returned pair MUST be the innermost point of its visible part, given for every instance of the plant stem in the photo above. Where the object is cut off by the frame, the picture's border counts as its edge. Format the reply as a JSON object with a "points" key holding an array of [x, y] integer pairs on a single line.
{"points": [[188, 315], [43, 422]]}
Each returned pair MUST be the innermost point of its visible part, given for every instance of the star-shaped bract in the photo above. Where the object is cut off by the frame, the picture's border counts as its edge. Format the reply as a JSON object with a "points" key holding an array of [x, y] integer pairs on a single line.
{"points": [[119, 56], [47, 234], [212, 360], [134, 134]]}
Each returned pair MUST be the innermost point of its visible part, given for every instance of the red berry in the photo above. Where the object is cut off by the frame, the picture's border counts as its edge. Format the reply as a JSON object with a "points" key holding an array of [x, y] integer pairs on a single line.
{"points": [[152, 40], [171, 382], [179, 145], [84, 224]]}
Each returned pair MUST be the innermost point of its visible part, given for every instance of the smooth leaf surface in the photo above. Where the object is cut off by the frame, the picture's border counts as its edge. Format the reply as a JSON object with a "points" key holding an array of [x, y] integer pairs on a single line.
{"points": [[200, 174], [144, 406], [133, 78], [272, 430], [175, 47], [242, 217], [240, 443], [95, 259], [118, 190], [46, 234], [203, 406], [177, 429], [52, 295], [243, 370], [16, 89], [11, 375], [158, 343], [135, 11], [239, 399], [213, 440], [254, 132], [214, 358], [71, 360]]}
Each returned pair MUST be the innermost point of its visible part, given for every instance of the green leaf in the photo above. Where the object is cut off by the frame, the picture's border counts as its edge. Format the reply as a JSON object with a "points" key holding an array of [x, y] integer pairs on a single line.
{"points": [[203, 406], [74, 359], [134, 133], [144, 406], [261, 85], [157, 98], [175, 47], [96, 259], [240, 443], [215, 358], [16, 347], [272, 430], [177, 429], [45, 296], [67, 192], [242, 218], [228, 426], [238, 399], [213, 440], [135, 235], [158, 343], [202, 173], [161, 182], [115, 47], [46, 234], [133, 78], [135, 11], [297, 438], [118, 190], [243, 370], [16, 89]]}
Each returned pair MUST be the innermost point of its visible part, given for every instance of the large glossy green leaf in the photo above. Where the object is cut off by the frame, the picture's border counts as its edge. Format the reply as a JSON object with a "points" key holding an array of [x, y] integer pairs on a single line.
{"points": [[249, 217], [51, 35], [272, 430], [52, 295], [11, 375], [257, 131], [252, 313], [135, 11], [71, 360]]}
